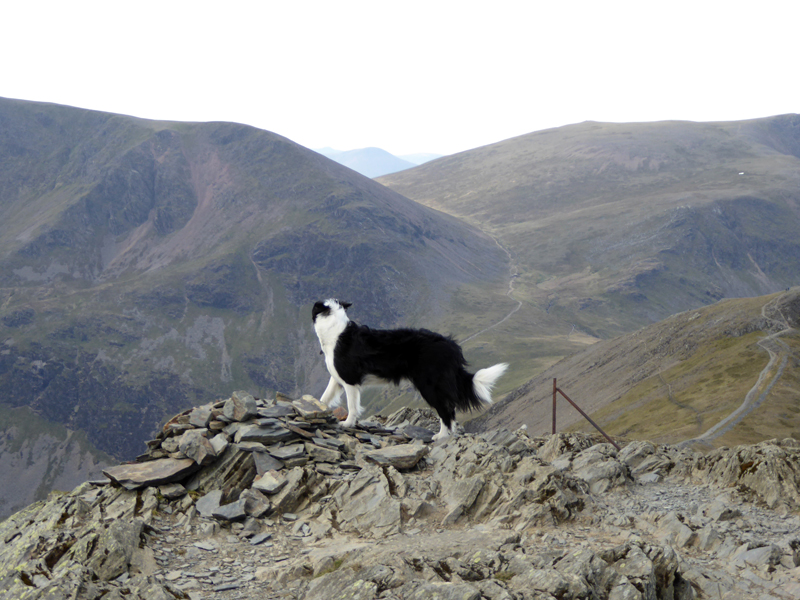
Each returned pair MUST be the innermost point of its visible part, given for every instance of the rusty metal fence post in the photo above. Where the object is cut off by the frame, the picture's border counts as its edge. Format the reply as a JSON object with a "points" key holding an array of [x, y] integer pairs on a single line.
{"points": [[557, 390]]}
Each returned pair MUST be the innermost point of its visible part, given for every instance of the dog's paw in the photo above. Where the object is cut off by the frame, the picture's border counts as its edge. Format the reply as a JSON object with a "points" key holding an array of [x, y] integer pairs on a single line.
{"points": [[349, 423], [442, 435]]}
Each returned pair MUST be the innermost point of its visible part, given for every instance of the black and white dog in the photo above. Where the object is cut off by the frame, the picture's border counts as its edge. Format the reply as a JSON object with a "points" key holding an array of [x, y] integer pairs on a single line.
{"points": [[357, 355]]}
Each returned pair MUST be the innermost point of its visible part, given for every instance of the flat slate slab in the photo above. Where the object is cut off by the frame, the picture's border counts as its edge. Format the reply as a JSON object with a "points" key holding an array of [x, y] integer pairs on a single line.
{"points": [[401, 456], [277, 411], [311, 408], [288, 452], [419, 433], [151, 473], [266, 433], [266, 462]]}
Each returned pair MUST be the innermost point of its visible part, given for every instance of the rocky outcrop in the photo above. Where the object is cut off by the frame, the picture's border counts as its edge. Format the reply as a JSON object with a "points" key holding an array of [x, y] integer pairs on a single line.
{"points": [[290, 504]]}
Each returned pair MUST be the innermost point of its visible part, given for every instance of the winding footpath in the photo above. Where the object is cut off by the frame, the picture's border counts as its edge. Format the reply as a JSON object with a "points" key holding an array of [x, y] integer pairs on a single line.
{"points": [[777, 349], [514, 274]]}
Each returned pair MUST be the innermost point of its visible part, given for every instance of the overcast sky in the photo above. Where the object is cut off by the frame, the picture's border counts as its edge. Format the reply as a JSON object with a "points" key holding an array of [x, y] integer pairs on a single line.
{"points": [[430, 76]]}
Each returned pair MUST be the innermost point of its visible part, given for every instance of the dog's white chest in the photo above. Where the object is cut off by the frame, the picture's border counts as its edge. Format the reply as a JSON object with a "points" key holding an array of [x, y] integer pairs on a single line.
{"points": [[328, 330]]}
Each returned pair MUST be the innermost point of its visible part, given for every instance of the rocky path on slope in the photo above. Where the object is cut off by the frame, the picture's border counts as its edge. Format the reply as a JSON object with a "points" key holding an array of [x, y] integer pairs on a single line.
{"points": [[776, 349], [271, 499]]}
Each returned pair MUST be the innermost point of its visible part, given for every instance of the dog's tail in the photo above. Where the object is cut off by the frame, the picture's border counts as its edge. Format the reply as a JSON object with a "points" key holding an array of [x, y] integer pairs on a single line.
{"points": [[483, 381]]}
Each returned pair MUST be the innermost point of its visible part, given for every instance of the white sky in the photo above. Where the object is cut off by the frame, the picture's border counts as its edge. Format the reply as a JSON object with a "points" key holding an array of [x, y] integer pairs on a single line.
{"points": [[431, 76]]}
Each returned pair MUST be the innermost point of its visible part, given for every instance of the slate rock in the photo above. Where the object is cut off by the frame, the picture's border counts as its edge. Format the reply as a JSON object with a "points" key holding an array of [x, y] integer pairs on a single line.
{"points": [[193, 444], [251, 447], [765, 556], [281, 409], [172, 491], [209, 503], [266, 462], [322, 454], [309, 407], [598, 466], [241, 406], [260, 538], [233, 511], [266, 433], [269, 483], [115, 548], [418, 433], [286, 453], [256, 504], [200, 416], [400, 456], [151, 473], [367, 506], [234, 471], [440, 591], [220, 443]]}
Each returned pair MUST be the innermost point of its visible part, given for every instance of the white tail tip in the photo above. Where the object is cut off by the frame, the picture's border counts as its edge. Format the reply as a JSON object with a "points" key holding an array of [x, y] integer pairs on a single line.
{"points": [[483, 381]]}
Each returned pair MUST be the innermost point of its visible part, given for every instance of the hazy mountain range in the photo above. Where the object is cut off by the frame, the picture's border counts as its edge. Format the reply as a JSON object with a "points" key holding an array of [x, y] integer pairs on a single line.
{"points": [[374, 162], [150, 266]]}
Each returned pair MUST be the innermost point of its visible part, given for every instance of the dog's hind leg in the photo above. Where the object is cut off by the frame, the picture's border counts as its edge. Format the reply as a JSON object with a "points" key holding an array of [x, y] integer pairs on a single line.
{"points": [[444, 430], [332, 393], [353, 405]]}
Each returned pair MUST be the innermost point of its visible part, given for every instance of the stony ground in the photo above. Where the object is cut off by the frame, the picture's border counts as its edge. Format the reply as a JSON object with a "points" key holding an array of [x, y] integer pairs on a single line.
{"points": [[255, 499], [214, 562]]}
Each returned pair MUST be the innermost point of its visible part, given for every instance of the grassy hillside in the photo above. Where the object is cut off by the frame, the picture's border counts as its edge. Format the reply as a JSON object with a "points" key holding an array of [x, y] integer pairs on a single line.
{"points": [[675, 380], [613, 226]]}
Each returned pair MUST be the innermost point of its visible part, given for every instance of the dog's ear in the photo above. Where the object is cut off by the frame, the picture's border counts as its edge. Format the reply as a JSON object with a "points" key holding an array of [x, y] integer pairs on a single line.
{"points": [[346, 305]]}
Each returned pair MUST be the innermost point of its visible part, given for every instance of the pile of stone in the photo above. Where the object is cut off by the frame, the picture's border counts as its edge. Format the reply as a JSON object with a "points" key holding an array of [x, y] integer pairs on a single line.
{"points": [[247, 443], [272, 498]]}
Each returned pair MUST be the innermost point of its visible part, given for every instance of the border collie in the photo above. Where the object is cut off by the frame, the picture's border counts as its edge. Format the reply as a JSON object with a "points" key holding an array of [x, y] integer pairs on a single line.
{"points": [[357, 355]]}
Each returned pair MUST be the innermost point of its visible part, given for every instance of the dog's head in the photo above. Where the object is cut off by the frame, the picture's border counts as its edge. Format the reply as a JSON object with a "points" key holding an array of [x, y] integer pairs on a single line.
{"points": [[328, 308]]}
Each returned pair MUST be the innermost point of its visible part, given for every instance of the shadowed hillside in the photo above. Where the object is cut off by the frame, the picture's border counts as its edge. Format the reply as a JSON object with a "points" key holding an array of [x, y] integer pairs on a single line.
{"points": [[148, 266]]}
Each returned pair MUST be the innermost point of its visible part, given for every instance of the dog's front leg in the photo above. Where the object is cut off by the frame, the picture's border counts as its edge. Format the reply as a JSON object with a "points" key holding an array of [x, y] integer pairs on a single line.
{"points": [[353, 405], [330, 397]]}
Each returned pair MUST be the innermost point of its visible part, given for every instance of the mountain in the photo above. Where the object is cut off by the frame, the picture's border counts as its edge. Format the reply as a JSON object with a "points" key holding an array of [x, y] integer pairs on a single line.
{"points": [[721, 375], [614, 226], [370, 162], [38, 456], [149, 266]]}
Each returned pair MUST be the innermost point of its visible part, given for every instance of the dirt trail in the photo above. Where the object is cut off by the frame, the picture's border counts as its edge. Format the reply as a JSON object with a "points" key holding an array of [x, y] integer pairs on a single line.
{"points": [[777, 350], [514, 274]]}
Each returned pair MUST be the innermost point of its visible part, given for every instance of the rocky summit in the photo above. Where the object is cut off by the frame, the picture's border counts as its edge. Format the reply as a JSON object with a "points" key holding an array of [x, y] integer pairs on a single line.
{"points": [[254, 498]]}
